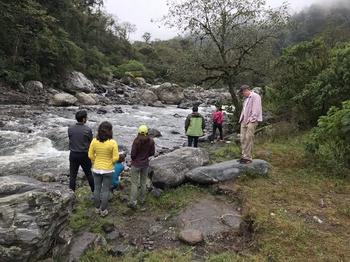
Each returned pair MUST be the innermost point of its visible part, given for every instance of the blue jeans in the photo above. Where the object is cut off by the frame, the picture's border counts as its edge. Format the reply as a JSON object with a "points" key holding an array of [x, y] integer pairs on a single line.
{"points": [[102, 189]]}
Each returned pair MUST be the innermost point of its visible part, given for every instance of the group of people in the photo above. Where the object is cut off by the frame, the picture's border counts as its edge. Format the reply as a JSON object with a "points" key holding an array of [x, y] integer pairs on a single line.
{"points": [[250, 116], [102, 163]]}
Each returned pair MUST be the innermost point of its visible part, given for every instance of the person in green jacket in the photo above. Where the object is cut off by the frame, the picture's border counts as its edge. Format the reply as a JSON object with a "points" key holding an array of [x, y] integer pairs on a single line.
{"points": [[194, 127]]}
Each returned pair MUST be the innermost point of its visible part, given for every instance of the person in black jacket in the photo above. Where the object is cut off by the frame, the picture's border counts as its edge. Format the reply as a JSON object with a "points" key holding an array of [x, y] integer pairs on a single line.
{"points": [[80, 137]]}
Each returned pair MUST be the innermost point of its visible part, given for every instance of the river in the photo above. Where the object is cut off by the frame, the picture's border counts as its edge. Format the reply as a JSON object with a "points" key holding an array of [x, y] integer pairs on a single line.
{"points": [[33, 139]]}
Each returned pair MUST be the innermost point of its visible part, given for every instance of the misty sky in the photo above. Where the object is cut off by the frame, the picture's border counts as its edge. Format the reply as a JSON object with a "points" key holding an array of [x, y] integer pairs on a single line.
{"points": [[140, 13]]}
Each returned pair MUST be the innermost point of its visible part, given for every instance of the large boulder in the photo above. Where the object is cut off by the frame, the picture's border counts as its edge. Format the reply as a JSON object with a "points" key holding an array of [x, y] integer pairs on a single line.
{"points": [[170, 94], [78, 82], [85, 99], [32, 215], [226, 171], [169, 170], [34, 86], [147, 96], [63, 99]]}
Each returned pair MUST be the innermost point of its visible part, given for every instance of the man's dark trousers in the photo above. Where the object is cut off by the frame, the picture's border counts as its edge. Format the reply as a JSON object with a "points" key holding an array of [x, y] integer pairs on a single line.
{"points": [[77, 159]]}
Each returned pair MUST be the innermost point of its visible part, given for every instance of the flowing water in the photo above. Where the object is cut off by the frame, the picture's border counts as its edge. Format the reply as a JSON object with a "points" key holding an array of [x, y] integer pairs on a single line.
{"points": [[34, 140]]}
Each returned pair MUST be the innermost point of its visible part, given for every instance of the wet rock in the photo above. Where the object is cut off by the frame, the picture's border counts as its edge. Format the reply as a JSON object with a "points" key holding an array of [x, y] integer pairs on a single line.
{"points": [[177, 116], [82, 243], [64, 99], [154, 132], [32, 216], [210, 217], [78, 82], [173, 132], [169, 170], [191, 236], [102, 111], [227, 170], [118, 110], [85, 99]]}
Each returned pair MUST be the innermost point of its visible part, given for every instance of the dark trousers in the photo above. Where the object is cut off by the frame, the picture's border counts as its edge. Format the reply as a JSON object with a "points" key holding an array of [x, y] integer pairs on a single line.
{"points": [[217, 126], [193, 140], [77, 159]]}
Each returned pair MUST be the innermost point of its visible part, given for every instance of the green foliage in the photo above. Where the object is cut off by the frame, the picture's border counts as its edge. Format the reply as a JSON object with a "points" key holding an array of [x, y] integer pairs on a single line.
{"points": [[330, 140], [310, 78]]}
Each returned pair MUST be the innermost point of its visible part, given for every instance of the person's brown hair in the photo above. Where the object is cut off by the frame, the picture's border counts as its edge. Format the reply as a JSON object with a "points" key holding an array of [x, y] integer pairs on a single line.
{"points": [[105, 132], [141, 140]]}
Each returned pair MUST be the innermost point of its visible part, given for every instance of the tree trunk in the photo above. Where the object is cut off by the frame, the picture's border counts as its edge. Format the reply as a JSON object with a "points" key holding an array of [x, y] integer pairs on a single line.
{"points": [[236, 102]]}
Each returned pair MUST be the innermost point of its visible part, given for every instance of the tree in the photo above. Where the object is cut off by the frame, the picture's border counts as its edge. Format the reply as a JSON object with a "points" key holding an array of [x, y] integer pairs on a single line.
{"points": [[229, 31], [147, 37]]}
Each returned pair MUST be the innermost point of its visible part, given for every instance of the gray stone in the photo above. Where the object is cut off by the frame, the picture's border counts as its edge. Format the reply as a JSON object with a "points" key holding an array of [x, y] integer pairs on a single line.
{"points": [[147, 96], [191, 236], [140, 81], [108, 227], [32, 215], [82, 243], [112, 235], [158, 104], [85, 99], [169, 170], [170, 94], [118, 110], [46, 177], [78, 82], [34, 86], [210, 217], [154, 132], [63, 99], [119, 250], [154, 229], [101, 100], [226, 171], [102, 111]]}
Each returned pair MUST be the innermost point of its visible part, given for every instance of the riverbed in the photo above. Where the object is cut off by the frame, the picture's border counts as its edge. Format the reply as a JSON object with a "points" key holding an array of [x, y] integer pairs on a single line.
{"points": [[33, 139]]}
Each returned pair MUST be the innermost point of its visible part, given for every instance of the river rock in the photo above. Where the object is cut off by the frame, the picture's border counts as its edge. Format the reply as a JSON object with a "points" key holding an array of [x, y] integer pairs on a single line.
{"points": [[147, 96], [191, 236], [154, 132], [85, 99], [34, 86], [64, 99], [140, 81], [101, 100], [169, 170], [157, 104], [78, 82], [226, 171], [32, 214], [170, 94]]}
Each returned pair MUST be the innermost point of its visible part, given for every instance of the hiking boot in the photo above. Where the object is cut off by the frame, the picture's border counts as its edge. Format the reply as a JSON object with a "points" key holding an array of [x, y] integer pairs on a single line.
{"points": [[245, 161], [104, 213]]}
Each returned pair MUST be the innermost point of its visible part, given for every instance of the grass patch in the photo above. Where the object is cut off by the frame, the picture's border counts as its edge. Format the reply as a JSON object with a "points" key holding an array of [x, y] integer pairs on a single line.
{"points": [[284, 204], [175, 199], [84, 217]]}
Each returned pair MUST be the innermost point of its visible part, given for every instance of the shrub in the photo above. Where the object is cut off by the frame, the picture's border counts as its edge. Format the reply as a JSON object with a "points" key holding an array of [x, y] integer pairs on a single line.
{"points": [[134, 67], [329, 141]]}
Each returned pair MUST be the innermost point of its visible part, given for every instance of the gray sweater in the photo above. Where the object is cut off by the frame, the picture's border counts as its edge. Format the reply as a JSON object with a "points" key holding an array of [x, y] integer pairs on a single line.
{"points": [[80, 137]]}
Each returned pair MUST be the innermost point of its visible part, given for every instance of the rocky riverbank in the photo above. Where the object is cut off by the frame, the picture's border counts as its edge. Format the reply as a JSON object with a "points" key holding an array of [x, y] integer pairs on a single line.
{"points": [[77, 89]]}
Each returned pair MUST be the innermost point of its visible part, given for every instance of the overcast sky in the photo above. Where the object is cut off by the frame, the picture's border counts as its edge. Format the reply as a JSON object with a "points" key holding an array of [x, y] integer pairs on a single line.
{"points": [[141, 12]]}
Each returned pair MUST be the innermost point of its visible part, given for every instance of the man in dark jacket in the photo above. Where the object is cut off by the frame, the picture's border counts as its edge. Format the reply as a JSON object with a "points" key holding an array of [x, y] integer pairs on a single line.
{"points": [[80, 137], [194, 127]]}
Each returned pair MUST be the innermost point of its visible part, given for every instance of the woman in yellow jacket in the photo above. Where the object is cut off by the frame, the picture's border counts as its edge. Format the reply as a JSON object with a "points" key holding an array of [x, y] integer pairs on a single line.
{"points": [[103, 152]]}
